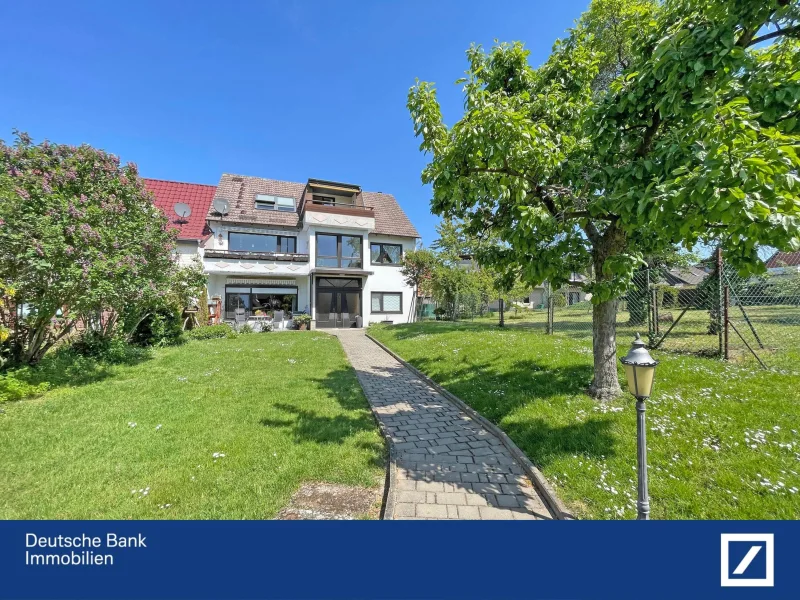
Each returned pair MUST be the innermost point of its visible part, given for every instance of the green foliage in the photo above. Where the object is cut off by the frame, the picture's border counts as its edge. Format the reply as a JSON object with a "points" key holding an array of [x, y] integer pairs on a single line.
{"points": [[209, 332], [161, 327], [12, 388], [80, 239], [597, 158], [302, 319], [111, 349], [245, 329], [417, 268]]}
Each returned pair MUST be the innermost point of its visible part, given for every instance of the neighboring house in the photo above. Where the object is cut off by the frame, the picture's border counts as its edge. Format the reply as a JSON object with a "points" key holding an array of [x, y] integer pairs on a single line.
{"points": [[783, 263], [689, 277], [573, 292], [324, 247], [172, 197]]}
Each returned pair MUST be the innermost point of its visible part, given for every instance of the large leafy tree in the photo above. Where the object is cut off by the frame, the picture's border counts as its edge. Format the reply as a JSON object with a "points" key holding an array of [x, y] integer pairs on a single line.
{"points": [[80, 240], [687, 132]]}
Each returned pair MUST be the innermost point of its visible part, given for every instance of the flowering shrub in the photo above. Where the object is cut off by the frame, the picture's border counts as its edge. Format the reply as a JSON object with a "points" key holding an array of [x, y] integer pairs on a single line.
{"points": [[301, 319], [80, 240]]}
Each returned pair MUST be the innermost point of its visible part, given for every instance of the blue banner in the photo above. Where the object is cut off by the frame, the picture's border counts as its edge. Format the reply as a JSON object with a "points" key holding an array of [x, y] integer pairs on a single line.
{"points": [[515, 559]]}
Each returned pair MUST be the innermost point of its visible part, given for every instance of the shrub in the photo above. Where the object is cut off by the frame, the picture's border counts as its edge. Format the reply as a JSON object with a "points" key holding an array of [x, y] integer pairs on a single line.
{"points": [[112, 349], [209, 333], [301, 319], [162, 328], [266, 327], [12, 388], [246, 328]]}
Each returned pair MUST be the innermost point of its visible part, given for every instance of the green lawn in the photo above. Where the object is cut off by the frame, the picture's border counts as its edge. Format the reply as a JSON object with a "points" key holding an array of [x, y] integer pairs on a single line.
{"points": [[280, 409], [723, 438], [777, 329]]}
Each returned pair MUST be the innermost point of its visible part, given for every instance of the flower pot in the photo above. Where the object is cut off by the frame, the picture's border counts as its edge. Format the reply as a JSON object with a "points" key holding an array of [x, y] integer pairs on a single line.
{"points": [[302, 327]]}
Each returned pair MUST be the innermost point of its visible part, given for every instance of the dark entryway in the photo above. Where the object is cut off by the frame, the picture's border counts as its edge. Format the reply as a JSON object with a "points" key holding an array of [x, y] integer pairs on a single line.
{"points": [[338, 302]]}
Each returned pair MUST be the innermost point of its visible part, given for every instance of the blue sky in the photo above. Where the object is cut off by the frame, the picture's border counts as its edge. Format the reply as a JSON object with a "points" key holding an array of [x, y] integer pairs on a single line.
{"points": [[287, 90]]}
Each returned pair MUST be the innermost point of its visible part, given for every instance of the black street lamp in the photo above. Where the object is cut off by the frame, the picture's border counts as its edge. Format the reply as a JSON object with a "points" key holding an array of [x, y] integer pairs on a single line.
{"points": [[640, 370]]}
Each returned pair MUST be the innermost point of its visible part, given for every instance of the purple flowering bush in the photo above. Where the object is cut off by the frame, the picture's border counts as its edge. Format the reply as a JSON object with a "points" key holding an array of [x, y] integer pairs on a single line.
{"points": [[81, 242]]}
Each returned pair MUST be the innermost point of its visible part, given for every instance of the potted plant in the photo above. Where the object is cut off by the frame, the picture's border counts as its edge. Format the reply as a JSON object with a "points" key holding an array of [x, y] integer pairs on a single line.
{"points": [[302, 322]]}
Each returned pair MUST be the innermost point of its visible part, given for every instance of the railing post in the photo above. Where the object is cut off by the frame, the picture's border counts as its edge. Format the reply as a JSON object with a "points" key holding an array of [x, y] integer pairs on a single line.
{"points": [[726, 303]]}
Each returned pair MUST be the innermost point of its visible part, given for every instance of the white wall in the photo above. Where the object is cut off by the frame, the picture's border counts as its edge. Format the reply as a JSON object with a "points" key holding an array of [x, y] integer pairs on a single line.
{"points": [[386, 278], [185, 251]]}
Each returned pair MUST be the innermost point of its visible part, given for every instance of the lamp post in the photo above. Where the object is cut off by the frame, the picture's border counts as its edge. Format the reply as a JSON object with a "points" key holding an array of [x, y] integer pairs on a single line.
{"points": [[640, 370]]}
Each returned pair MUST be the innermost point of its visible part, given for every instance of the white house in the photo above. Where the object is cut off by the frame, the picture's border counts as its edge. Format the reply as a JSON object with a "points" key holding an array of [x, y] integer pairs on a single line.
{"points": [[321, 247]]}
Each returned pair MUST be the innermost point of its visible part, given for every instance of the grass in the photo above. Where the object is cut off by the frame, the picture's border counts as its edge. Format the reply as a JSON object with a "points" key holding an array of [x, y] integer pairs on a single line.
{"points": [[777, 328], [280, 409], [723, 438]]}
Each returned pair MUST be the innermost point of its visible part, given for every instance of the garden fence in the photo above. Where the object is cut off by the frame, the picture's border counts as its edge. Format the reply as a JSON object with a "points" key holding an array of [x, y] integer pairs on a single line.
{"points": [[706, 310]]}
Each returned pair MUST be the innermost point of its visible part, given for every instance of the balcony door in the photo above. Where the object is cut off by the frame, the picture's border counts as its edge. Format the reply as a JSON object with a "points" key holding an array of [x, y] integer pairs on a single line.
{"points": [[337, 306]]}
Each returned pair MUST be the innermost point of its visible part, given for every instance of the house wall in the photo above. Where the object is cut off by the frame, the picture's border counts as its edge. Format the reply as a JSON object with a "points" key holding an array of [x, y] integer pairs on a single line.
{"points": [[386, 278], [185, 251]]}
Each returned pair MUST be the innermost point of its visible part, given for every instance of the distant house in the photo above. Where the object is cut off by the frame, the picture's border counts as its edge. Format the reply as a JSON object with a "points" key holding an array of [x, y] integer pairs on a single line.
{"points": [[688, 277], [783, 263], [573, 292]]}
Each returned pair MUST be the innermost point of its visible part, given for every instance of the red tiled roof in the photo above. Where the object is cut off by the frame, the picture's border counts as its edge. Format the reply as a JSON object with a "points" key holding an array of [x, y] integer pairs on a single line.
{"points": [[784, 259], [198, 196]]}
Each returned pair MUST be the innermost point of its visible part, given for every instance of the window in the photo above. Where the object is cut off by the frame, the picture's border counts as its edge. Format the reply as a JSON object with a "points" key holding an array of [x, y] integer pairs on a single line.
{"points": [[387, 302], [339, 251], [385, 254], [257, 242], [331, 200], [279, 203]]}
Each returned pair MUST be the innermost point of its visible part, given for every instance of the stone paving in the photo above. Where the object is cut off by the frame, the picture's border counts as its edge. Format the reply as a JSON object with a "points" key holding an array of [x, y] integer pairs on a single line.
{"points": [[448, 465]]}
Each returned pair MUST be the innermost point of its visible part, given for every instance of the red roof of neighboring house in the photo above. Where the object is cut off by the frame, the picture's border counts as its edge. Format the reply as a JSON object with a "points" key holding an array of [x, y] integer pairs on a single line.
{"points": [[198, 196], [784, 259]]}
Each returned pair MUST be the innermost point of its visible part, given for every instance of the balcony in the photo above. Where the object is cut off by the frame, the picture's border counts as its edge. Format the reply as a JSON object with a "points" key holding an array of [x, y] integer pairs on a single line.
{"points": [[270, 256], [335, 198]]}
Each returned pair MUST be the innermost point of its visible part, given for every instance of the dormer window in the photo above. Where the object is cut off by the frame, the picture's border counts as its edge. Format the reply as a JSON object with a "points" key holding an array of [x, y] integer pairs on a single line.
{"points": [[279, 203]]}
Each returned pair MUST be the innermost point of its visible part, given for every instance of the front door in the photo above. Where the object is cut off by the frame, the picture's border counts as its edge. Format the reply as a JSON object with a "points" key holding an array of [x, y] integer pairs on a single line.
{"points": [[338, 308]]}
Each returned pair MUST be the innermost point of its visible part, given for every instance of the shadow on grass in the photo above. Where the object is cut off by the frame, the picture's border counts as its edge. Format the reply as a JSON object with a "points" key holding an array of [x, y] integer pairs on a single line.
{"points": [[544, 443], [66, 368]]}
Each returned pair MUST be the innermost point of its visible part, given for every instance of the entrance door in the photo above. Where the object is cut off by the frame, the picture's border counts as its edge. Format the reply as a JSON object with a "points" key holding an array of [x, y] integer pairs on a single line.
{"points": [[338, 308]]}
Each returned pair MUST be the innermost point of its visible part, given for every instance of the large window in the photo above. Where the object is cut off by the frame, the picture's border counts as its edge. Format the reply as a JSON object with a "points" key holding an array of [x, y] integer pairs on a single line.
{"points": [[385, 254], [279, 203], [259, 301], [387, 302], [339, 251], [257, 242]]}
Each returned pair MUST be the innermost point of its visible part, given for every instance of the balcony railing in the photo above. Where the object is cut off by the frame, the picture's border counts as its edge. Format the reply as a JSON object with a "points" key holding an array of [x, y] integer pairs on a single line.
{"points": [[274, 256]]}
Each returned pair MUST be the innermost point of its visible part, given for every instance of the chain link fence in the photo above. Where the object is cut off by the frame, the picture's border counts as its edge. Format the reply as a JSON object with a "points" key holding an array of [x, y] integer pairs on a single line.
{"points": [[707, 310]]}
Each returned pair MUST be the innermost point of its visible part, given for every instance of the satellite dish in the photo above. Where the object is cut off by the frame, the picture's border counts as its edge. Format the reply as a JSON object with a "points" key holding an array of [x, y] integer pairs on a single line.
{"points": [[221, 206], [183, 210]]}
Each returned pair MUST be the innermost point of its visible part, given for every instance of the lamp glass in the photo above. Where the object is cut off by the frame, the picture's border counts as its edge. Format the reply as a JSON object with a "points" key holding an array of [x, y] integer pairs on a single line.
{"points": [[640, 383]]}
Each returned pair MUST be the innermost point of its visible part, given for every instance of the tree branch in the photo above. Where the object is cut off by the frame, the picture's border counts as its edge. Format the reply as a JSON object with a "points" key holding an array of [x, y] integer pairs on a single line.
{"points": [[790, 31]]}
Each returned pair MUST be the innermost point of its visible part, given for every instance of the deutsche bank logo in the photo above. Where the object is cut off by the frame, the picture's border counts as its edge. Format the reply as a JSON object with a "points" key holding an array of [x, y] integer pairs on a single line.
{"points": [[748, 559]]}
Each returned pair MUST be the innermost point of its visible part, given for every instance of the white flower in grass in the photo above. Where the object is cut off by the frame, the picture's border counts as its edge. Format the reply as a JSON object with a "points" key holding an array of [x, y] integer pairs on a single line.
{"points": [[291, 361], [218, 455], [183, 378], [158, 426], [131, 424]]}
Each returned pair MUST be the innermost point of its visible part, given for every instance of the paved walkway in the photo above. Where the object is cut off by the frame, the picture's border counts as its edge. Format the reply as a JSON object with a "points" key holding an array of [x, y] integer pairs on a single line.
{"points": [[448, 466]]}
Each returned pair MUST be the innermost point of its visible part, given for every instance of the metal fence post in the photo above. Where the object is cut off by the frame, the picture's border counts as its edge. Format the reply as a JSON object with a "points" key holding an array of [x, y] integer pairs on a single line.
{"points": [[726, 303], [649, 308], [720, 303], [550, 309]]}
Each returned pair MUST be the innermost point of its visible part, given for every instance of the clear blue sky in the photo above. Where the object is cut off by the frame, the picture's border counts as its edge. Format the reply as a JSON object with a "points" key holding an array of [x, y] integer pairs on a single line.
{"points": [[288, 90]]}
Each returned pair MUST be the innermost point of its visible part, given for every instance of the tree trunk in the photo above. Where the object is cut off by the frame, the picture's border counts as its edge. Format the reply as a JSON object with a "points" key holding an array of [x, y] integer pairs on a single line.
{"points": [[502, 316], [605, 384]]}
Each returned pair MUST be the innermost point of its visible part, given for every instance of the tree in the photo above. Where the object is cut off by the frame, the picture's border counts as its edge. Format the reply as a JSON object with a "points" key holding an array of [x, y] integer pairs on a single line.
{"points": [[80, 239], [692, 138], [417, 269]]}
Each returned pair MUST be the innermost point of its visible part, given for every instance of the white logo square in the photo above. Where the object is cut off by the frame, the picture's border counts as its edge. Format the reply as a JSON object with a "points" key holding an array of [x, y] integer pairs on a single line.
{"points": [[767, 542]]}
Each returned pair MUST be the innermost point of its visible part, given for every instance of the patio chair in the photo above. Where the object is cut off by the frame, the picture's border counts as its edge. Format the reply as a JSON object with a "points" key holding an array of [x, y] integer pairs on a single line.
{"points": [[239, 318], [345, 319], [277, 319]]}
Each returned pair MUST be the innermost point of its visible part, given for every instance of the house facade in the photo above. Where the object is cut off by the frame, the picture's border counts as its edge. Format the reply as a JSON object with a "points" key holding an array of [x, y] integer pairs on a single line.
{"points": [[325, 248]]}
